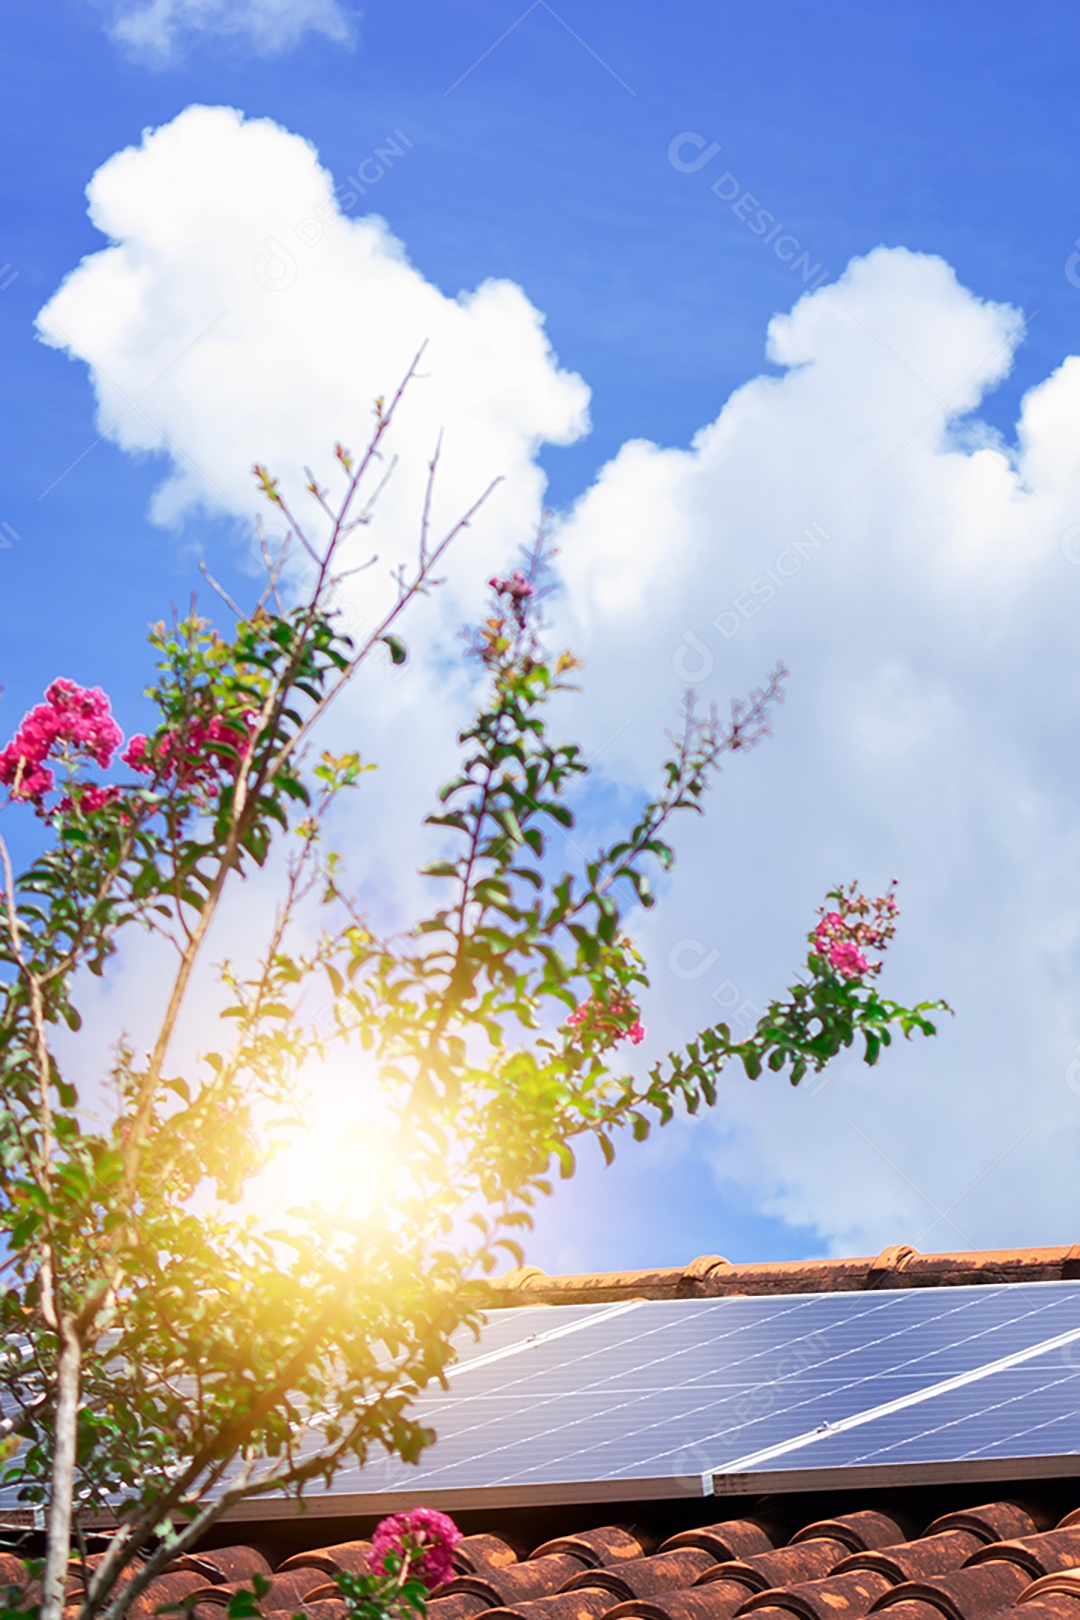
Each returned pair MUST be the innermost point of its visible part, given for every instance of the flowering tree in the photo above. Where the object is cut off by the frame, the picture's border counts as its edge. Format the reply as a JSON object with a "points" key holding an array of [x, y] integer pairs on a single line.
{"points": [[165, 1355], [411, 1554]]}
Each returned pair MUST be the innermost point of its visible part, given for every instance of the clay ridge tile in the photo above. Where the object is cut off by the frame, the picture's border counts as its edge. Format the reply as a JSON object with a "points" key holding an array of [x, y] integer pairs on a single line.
{"points": [[859, 1532], [645, 1577], [806, 1561], [1056, 1605], [916, 1560], [285, 1590], [899, 1266], [458, 1606], [588, 1604], [610, 1544], [1038, 1555], [720, 1600], [995, 1521], [732, 1539], [474, 1554], [225, 1563], [835, 1597], [965, 1594], [518, 1583]]}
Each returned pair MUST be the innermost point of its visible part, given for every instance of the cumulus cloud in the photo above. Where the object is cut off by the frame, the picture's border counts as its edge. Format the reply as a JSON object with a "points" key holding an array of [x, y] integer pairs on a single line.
{"points": [[239, 316], [850, 515], [157, 29], [854, 518]]}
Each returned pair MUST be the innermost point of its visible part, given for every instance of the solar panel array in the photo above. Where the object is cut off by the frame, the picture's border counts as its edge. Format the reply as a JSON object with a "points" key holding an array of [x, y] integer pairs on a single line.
{"points": [[739, 1395], [648, 1400]]}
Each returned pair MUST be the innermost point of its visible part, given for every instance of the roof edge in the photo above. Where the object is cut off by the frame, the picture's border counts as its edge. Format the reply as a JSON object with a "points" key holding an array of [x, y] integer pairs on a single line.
{"points": [[711, 1276]]}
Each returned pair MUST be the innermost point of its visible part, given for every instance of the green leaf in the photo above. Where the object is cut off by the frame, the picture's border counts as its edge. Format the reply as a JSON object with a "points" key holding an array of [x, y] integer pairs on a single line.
{"points": [[399, 653]]}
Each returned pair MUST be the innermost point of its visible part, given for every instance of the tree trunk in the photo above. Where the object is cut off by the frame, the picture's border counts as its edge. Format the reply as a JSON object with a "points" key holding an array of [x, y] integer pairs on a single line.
{"points": [[62, 1481]]}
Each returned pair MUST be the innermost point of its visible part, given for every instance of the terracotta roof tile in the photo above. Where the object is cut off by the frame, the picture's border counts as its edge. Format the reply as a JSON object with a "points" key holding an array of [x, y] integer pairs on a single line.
{"points": [[520, 1582], [645, 1577], [1038, 1555], [805, 1561], [1065, 1583], [835, 1597], [719, 1600], [461, 1606], [587, 1604], [610, 1544], [900, 1266], [166, 1589], [474, 1554], [994, 1521], [327, 1610], [859, 1532], [344, 1555], [970, 1564], [735, 1538], [225, 1563], [965, 1594], [915, 1560], [1055, 1605], [286, 1590], [914, 1609]]}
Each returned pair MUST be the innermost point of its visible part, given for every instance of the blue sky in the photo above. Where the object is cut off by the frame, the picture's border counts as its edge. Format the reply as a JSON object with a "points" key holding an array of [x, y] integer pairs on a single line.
{"points": [[538, 151]]}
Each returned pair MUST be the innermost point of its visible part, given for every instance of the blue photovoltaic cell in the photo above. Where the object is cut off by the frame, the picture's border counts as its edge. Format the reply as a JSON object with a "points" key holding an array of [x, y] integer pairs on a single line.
{"points": [[658, 1397], [663, 1390]]}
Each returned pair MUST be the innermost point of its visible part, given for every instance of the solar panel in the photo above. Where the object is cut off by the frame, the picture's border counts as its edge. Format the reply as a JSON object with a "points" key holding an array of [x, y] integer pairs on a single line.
{"points": [[647, 1400], [739, 1395]]}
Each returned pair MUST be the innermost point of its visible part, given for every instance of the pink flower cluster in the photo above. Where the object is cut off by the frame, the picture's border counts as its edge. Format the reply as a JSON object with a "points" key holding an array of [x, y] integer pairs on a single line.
{"points": [[88, 798], [423, 1538], [609, 1018], [207, 748], [74, 720], [518, 589], [860, 924]]}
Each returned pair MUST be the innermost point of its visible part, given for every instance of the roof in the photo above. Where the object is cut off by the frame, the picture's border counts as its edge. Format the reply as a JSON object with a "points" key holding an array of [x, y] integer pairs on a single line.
{"points": [[711, 1276], [963, 1549], [1004, 1557]]}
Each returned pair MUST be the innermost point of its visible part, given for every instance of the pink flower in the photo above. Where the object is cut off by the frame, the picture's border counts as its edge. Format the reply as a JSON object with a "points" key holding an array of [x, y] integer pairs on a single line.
{"points": [[424, 1538], [74, 718], [843, 937], [22, 772], [209, 748], [518, 589], [616, 1019], [135, 755], [847, 959], [88, 798], [84, 720]]}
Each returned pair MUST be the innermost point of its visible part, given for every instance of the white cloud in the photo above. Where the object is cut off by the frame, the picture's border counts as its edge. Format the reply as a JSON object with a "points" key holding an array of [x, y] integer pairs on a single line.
{"points": [[850, 516], [842, 517], [157, 29]]}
